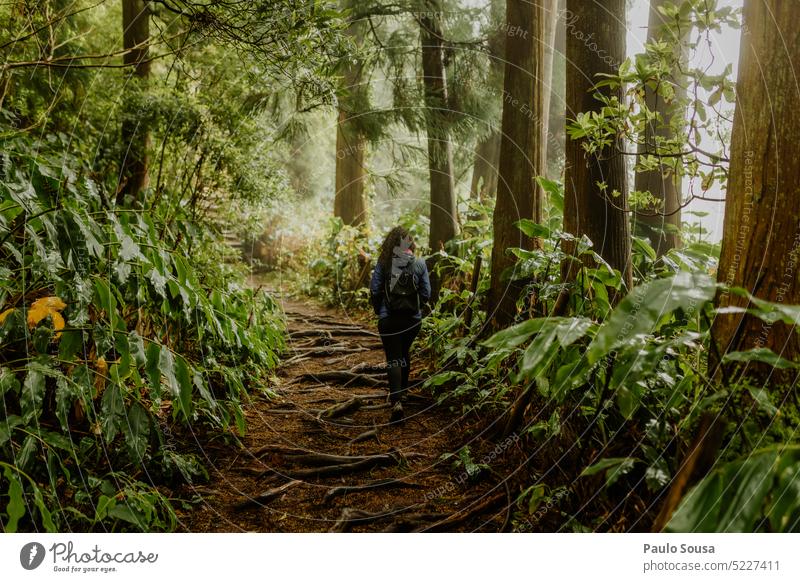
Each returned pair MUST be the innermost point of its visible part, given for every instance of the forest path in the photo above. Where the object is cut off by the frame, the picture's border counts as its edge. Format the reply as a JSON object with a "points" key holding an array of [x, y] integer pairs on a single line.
{"points": [[322, 455]]}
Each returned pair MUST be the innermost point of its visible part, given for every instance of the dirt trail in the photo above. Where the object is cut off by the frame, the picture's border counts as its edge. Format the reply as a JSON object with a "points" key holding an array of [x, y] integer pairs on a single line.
{"points": [[323, 457]]}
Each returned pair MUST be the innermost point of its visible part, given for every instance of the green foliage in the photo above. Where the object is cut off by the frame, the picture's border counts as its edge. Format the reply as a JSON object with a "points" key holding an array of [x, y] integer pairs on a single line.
{"points": [[753, 494], [340, 266], [110, 336]]}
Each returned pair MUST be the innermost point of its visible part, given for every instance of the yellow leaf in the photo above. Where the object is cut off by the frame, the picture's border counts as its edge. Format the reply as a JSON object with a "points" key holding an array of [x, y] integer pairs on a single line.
{"points": [[4, 315], [101, 368], [43, 307]]}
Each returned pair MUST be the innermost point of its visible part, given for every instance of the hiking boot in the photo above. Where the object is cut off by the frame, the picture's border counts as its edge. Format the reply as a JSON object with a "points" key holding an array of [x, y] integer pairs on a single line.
{"points": [[397, 413]]}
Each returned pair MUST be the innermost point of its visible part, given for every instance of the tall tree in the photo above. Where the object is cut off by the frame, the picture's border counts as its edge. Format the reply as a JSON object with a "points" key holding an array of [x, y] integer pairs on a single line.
{"points": [[523, 146], [135, 135], [444, 219], [350, 201], [761, 232], [484, 169], [487, 147], [595, 184], [662, 219]]}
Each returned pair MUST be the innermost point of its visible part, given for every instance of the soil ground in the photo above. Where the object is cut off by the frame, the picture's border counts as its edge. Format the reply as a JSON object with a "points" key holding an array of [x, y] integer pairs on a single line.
{"points": [[283, 480]]}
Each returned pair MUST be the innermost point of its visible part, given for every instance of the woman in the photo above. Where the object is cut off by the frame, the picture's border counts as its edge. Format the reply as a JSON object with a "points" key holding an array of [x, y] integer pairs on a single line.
{"points": [[400, 286]]}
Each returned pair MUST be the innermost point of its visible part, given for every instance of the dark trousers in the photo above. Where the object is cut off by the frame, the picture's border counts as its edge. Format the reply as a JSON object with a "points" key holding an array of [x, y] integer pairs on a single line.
{"points": [[397, 335]]}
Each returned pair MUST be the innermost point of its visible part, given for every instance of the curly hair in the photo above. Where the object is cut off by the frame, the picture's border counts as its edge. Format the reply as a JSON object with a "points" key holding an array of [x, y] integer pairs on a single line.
{"points": [[392, 240]]}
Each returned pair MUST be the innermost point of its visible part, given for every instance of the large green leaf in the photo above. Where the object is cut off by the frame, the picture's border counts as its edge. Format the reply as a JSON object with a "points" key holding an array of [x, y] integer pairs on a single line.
{"points": [[136, 429], [614, 467], [641, 311], [183, 376], [166, 365], [761, 355], [543, 348], [516, 334], [15, 509], [32, 395], [733, 497], [153, 366], [113, 412], [532, 229]]}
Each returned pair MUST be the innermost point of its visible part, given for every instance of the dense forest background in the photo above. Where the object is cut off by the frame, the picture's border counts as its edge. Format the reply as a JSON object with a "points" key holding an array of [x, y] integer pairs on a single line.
{"points": [[605, 193]]}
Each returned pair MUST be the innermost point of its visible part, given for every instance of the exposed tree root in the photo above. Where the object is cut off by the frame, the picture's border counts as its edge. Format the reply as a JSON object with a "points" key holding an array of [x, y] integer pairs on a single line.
{"points": [[341, 409], [334, 492], [339, 376], [335, 470], [462, 516], [351, 517], [413, 522], [365, 436], [267, 496], [335, 332]]}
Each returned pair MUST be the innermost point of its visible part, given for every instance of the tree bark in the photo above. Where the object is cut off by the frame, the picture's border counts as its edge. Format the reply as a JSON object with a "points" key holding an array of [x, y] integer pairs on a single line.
{"points": [[523, 148], [551, 12], [135, 135], [444, 221], [761, 232], [595, 45], [556, 130], [484, 171], [350, 201], [662, 220]]}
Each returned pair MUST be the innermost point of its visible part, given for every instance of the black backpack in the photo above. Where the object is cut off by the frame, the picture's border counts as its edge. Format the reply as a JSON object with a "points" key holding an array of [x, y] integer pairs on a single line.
{"points": [[403, 299]]}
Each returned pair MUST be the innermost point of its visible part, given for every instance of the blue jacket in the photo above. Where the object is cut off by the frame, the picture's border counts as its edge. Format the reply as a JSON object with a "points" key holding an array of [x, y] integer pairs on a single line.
{"points": [[378, 290]]}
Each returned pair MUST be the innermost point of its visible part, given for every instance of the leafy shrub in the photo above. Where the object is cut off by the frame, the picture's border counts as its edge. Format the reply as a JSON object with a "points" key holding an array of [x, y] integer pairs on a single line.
{"points": [[116, 326]]}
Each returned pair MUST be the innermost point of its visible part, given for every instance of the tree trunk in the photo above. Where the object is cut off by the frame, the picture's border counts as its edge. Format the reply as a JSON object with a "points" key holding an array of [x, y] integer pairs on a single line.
{"points": [[440, 156], [595, 44], [660, 222], [556, 131], [484, 171], [135, 136], [550, 16], [523, 148], [487, 149], [350, 202], [761, 232]]}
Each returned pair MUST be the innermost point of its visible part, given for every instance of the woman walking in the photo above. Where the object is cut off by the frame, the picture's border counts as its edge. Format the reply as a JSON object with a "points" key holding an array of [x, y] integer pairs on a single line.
{"points": [[400, 286]]}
